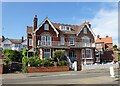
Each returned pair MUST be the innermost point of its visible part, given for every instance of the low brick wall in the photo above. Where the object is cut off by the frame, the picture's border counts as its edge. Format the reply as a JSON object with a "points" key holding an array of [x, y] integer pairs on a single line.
{"points": [[47, 69], [1, 68]]}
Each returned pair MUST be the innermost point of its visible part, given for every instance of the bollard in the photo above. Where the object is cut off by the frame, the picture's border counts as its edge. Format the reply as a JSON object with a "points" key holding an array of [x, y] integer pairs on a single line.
{"points": [[112, 74]]}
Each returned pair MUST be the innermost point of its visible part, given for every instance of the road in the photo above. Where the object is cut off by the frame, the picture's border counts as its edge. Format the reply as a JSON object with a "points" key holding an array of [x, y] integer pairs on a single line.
{"points": [[69, 77]]}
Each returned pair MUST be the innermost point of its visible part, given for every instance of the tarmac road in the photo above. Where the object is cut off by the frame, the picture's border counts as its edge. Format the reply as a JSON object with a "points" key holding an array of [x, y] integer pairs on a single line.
{"points": [[68, 77]]}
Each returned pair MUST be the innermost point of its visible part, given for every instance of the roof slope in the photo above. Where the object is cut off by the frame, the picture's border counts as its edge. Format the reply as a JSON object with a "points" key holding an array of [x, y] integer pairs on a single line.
{"points": [[105, 40], [74, 28]]}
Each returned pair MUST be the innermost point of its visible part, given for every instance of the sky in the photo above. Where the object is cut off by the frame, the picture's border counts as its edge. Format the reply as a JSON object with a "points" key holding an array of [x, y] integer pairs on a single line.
{"points": [[103, 16]]}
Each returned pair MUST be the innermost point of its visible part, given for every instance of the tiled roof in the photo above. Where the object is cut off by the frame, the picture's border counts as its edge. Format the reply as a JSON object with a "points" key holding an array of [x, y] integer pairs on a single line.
{"points": [[16, 41], [105, 40], [29, 29], [75, 28]]}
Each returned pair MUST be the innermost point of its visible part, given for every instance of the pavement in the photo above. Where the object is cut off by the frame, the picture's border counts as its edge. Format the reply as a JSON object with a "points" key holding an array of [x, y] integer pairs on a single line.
{"points": [[67, 77]]}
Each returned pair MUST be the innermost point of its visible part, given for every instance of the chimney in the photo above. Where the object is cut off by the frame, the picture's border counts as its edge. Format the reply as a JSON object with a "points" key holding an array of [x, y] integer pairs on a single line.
{"points": [[35, 22], [98, 36], [22, 38], [107, 36], [89, 24]]}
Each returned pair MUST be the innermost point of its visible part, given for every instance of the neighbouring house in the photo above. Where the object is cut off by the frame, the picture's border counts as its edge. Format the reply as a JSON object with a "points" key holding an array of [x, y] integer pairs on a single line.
{"points": [[77, 40], [104, 48], [14, 44]]}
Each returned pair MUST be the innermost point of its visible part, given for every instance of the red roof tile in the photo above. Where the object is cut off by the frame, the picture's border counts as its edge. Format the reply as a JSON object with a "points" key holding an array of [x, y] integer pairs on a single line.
{"points": [[105, 40]]}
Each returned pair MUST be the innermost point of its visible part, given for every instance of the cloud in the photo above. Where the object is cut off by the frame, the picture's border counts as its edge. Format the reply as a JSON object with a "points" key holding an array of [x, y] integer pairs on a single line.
{"points": [[105, 23]]}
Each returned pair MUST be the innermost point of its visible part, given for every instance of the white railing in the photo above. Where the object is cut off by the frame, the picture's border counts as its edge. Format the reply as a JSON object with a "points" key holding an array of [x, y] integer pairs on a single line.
{"points": [[58, 43]]}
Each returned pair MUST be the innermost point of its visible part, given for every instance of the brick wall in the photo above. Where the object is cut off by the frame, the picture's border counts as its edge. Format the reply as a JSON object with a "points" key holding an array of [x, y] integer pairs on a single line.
{"points": [[47, 69], [1, 68]]}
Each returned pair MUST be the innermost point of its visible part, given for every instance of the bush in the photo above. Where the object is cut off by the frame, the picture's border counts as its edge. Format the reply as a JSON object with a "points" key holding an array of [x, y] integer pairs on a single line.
{"points": [[63, 63], [34, 61], [13, 55], [47, 62]]}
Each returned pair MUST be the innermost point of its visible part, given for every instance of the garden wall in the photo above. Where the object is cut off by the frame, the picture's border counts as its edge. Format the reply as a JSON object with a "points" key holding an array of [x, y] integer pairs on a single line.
{"points": [[47, 69], [1, 68]]}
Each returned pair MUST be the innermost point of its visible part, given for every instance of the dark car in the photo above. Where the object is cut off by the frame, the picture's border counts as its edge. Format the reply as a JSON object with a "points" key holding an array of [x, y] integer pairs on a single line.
{"points": [[15, 66]]}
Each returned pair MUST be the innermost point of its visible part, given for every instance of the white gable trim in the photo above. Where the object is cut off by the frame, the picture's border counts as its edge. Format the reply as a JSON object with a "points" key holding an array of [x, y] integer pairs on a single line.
{"points": [[49, 23], [88, 28]]}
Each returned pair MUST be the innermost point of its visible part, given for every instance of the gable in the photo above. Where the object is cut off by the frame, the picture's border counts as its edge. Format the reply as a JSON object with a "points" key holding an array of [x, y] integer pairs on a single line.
{"points": [[47, 20], [88, 29], [6, 41]]}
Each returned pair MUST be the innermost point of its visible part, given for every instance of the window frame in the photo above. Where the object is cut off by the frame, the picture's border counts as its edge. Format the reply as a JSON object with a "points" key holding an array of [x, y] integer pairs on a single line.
{"points": [[89, 53], [30, 42], [47, 52], [46, 26], [72, 42], [85, 30]]}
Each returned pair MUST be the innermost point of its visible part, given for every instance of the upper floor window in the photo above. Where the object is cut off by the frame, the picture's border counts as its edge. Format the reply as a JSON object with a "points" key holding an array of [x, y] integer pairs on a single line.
{"points": [[30, 42], [62, 40], [71, 40], [85, 30], [46, 26], [85, 41], [65, 28]]}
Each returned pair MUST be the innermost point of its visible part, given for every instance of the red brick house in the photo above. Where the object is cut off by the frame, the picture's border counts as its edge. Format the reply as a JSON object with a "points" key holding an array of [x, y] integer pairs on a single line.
{"points": [[76, 40], [104, 47]]}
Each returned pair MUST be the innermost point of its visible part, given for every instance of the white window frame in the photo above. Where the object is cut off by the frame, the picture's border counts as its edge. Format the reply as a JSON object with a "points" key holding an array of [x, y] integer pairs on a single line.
{"points": [[83, 53], [72, 42], [46, 52], [89, 53], [49, 40], [43, 42], [62, 40], [46, 26], [85, 41], [85, 30], [30, 42]]}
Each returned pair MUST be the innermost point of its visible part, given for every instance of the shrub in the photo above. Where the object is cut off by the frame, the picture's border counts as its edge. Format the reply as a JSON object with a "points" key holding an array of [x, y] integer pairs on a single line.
{"points": [[13, 55], [47, 62], [58, 55], [34, 61], [63, 63]]}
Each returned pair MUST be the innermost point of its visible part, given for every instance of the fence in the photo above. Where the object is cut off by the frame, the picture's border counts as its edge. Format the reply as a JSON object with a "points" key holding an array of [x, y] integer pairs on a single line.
{"points": [[99, 66]]}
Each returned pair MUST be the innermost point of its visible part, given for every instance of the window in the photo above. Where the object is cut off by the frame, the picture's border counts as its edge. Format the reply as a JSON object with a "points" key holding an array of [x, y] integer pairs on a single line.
{"points": [[85, 30], [7, 45], [46, 26], [47, 53], [88, 53], [71, 40], [85, 41], [43, 40], [62, 40], [72, 56], [30, 42], [83, 53], [17, 45], [65, 28], [46, 40]]}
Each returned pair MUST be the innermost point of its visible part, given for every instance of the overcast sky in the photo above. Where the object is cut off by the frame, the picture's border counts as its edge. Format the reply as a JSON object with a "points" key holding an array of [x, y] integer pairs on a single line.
{"points": [[103, 16]]}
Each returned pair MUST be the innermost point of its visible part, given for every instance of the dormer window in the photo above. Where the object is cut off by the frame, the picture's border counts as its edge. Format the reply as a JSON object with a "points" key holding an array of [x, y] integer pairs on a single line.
{"points": [[46, 26], [68, 28], [85, 30]]}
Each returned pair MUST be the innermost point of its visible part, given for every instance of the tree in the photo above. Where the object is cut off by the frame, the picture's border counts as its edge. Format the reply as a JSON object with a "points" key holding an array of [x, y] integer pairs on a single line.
{"points": [[115, 47], [59, 57], [13, 55]]}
